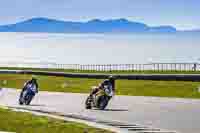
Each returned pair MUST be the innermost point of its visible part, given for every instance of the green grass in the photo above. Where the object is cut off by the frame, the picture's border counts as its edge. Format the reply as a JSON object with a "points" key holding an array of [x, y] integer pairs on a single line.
{"points": [[184, 89], [50, 83], [27, 123], [159, 88], [105, 72]]}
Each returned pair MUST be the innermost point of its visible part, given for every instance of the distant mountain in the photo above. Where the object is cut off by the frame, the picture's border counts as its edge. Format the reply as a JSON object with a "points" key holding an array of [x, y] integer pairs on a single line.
{"points": [[93, 26], [164, 29], [192, 31]]}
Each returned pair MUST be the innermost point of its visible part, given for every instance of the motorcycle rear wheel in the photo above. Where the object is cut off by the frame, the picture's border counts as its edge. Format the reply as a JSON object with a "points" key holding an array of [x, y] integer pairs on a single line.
{"points": [[102, 102], [28, 99]]}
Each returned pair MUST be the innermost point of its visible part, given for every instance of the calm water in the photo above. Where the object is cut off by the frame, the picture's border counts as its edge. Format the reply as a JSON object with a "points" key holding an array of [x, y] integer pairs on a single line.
{"points": [[99, 48]]}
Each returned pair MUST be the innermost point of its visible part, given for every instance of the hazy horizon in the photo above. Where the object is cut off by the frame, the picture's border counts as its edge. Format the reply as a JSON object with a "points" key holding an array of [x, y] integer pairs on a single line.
{"points": [[88, 48]]}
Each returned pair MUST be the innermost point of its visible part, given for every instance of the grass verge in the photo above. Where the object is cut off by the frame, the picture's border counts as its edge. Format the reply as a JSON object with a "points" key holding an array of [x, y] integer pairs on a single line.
{"points": [[183, 89], [104, 72], [20, 122]]}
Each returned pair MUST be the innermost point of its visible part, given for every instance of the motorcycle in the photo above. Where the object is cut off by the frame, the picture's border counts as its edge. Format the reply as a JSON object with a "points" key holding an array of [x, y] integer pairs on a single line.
{"points": [[26, 97], [100, 99]]}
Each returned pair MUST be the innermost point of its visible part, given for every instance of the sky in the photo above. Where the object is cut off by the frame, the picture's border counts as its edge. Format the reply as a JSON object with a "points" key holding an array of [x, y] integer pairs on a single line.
{"points": [[183, 14]]}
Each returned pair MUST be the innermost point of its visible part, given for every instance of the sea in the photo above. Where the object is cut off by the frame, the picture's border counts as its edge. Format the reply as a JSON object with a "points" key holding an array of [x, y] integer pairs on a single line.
{"points": [[99, 48]]}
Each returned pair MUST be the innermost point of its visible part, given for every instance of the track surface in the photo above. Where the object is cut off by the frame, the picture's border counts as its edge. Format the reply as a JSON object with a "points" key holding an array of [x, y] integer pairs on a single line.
{"points": [[181, 115]]}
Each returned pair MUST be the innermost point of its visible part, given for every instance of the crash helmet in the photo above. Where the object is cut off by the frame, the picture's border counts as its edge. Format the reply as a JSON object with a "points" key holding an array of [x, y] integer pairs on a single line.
{"points": [[33, 79], [111, 78]]}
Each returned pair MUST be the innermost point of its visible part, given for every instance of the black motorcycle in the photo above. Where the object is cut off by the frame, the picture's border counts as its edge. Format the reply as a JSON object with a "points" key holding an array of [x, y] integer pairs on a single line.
{"points": [[100, 100]]}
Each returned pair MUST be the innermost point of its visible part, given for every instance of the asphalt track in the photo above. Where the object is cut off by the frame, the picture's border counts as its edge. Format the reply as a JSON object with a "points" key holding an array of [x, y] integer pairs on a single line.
{"points": [[165, 114]]}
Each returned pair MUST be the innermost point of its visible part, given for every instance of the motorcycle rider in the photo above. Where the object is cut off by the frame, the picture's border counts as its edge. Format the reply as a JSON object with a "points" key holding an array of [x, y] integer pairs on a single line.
{"points": [[31, 84], [110, 82]]}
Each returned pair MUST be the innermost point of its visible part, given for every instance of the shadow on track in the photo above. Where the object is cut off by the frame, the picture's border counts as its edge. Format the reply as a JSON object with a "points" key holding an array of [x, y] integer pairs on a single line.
{"points": [[37, 105], [113, 110]]}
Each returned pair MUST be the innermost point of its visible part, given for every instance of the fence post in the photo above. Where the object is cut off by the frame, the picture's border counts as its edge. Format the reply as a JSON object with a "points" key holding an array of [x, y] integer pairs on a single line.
{"points": [[195, 66], [158, 67], [184, 67], [110, 68]]}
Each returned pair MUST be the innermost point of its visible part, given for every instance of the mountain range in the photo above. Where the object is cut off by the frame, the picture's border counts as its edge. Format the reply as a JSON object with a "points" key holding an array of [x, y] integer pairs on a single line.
{"points": [[92, 26]]}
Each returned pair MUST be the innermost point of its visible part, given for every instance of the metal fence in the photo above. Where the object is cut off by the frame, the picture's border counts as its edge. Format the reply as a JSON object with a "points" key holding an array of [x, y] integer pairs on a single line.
{"points": [[108, 67]]}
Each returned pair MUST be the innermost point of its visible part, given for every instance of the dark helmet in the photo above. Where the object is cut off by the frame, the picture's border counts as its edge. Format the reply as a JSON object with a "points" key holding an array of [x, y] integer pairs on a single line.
{"points": [[111, 78], [33, 79]]}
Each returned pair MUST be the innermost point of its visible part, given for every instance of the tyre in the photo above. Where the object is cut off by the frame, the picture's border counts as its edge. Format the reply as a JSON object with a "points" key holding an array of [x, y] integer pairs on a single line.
{"points": [[28, 99], [88, 103], [21, 98], [88, 107], [20, 102], [102, 102]]}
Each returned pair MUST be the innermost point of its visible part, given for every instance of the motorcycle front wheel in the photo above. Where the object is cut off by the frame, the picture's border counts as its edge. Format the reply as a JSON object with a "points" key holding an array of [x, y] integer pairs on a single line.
{"points": [[88, 103], [21, 99], [20, 102]]}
